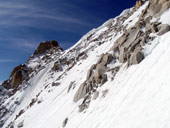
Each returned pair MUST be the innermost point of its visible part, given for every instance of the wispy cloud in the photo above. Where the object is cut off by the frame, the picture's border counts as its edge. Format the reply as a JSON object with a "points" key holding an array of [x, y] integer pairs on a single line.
{"points": [[28, 22], [28, 14], [6, 60], [25, 44]]}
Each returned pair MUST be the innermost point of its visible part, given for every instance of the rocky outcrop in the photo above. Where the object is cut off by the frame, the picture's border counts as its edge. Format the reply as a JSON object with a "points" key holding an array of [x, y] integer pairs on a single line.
{"points": [[99, 72], [136, 57], [85, 104], [138, 4], [81, 92], [47, 46], [21, 72], [95, 76], [127, 48], [132, 39], [17, 79], [163, 28], [57, 66], [18, 75], [157, 7], [107, 59]]}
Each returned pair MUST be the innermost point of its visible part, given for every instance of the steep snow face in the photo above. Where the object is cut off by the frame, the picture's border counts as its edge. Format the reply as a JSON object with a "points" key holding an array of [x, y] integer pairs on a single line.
{"points": [[137, 97], [164, 19]]}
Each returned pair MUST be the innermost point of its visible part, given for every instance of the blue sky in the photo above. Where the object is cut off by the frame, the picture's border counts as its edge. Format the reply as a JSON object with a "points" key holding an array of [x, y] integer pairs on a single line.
{"points": [[25, 23]]}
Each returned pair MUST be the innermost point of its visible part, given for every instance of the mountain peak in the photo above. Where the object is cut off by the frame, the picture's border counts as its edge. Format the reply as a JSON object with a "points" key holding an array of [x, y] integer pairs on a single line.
{"points": [[47, 46]]}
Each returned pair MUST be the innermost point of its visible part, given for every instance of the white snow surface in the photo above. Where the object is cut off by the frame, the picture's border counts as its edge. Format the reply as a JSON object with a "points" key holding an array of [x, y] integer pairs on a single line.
{"points": [[135, 17], [165, 17], [138, 97]]}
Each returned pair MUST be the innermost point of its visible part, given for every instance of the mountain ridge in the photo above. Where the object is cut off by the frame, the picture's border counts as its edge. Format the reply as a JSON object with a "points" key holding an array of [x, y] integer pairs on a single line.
{"points": [[79, 81]]}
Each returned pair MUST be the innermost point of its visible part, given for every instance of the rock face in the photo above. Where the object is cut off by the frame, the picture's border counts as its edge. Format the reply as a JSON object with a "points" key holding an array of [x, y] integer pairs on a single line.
{"points": [[48, 45], [81, 92], [132, 39], [17, 79], [19, 74], [157, 7], [138, 4]]}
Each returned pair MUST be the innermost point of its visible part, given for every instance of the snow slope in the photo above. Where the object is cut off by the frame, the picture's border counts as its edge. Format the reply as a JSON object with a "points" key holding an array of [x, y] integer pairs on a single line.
{"points": [[138, 97]]}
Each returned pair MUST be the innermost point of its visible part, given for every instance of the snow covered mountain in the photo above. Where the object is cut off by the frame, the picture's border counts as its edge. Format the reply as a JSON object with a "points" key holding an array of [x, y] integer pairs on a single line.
{"points": [[116, 76]]}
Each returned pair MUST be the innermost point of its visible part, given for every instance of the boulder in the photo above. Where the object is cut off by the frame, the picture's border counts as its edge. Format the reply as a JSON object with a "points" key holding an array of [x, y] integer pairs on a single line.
{"points": [[157, 8], [148, 19], [21, 124], [136, 57], [81, 92], [57, 66], [107, 58], [148, 27], [55, 84], [65, 122], [81, 56], [82, 107], [70, 86], [163, 28], [100, 70], [105, 92], [134, 33]]}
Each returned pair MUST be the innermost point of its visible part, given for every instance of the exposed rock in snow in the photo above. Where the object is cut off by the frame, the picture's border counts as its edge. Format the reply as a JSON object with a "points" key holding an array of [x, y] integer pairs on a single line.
{"points": [[116, 75], [163, 28], [48, 45], [65, 122], [136, 57], [21, 124]]}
